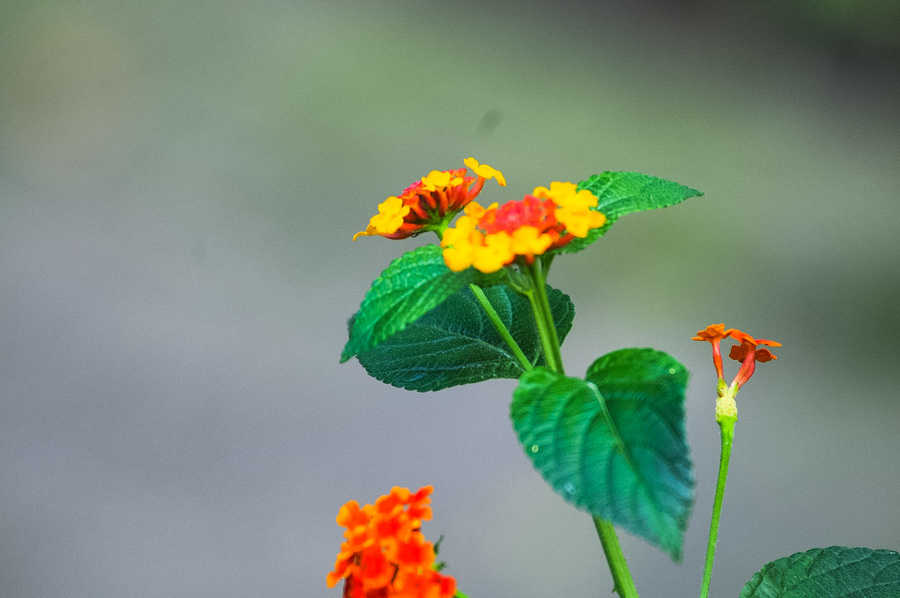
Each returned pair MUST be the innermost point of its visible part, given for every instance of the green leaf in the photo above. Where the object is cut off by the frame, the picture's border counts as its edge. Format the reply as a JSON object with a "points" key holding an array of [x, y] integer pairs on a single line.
{"points": [[835, 572], [614, 444], [621, 193], [411, 286], [456, 343]]}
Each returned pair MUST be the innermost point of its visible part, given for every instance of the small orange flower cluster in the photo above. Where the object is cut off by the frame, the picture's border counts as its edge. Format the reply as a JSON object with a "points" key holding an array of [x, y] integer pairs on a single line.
{"points": [[385, 555], [429, 204], [490, 238], [746, 352]]}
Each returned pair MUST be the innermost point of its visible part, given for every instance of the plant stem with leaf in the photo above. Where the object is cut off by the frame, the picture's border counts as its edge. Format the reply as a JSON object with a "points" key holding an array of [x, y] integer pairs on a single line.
{"points": [[546, 327]]}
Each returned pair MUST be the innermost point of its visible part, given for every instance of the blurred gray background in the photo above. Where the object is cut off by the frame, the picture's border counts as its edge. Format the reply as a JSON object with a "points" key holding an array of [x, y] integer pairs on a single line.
{"points": [[179, 183]]}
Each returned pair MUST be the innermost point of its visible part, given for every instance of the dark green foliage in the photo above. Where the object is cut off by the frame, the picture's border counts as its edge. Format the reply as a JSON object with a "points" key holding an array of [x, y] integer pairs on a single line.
{"points": [[456, 343], [410, 287], [835, 572]]}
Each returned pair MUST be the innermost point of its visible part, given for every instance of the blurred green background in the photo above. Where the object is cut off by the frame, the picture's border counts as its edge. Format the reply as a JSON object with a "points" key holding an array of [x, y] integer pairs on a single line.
{"points": [[179, 183]]}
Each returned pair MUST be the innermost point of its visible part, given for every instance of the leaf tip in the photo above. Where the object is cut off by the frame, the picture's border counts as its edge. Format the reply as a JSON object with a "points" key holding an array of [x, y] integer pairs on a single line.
{"points": [[347, 353]]}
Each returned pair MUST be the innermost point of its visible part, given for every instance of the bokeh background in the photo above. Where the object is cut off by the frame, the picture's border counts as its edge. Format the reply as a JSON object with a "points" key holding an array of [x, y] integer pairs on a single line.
{"points": [[179, 183]]}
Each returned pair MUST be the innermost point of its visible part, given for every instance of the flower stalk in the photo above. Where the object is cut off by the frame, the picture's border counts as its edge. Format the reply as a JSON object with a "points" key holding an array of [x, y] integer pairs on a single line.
{"points": [[726, 426], [543, 316], [748, 354]]}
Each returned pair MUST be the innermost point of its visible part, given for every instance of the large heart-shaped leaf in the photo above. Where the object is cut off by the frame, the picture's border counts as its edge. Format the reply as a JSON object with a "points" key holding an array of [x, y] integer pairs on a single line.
{"points": [[835, 572], [614, 444], [456, 343], [410, 287], [621, 193]]}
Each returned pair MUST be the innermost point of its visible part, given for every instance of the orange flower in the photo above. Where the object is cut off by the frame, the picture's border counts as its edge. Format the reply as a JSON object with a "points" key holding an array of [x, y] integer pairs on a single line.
{"points": [[493, 237], [746, 352], [714, 333], [430, 203], [385, 555], [748, 355]]}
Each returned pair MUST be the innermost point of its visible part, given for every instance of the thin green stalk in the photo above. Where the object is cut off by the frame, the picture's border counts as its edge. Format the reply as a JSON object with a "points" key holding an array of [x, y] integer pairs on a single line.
{"points": [[459, 594], [543, 317], [726, 425], [624, 585], [501, 328]]}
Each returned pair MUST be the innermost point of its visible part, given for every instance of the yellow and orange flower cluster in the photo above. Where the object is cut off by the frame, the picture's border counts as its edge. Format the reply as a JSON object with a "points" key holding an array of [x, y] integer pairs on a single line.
{"points": [[431, 203], [493, 237], [385, 555], [747, 352]]}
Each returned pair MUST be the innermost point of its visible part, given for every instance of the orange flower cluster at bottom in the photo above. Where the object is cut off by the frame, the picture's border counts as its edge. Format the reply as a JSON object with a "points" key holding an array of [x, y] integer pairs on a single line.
{"points": [[385, 555]]}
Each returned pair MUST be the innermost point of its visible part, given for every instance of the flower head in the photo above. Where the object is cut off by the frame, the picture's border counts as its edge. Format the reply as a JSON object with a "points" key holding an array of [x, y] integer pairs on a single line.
{"points": [[493, 237], [430, 203], [573, 207], [384, 554], [747, 352]]}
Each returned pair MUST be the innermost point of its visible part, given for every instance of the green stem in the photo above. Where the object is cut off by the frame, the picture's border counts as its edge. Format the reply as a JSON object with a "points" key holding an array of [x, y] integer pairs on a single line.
{"points": [[501, 328], [543, 318], [624, 585], [726, 425], [459, 594]]}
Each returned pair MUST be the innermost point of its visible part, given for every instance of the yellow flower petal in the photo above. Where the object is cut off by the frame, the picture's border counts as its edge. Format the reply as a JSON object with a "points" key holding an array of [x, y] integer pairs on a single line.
{"points": [[579, 222], [565, 195], [485, 171], [437, 180], [476, 210], [494, 254], [528, 240], [457, 259], [390, 216], [370, 230]]}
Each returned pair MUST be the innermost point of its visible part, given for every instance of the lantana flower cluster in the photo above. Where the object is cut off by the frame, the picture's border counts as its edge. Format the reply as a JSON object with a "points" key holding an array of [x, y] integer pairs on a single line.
{"points": [[430, 203], [486, 238], [385, 554], [493, 237]]}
